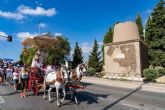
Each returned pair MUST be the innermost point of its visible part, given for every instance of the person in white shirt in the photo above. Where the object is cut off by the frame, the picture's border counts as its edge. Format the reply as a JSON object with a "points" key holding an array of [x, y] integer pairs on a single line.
{"points": [[16, 77], [9, 74]]}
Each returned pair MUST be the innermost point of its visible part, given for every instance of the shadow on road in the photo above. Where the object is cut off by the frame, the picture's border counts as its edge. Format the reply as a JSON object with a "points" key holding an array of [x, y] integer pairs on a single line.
{"points": [[82, 96], [90, 98], [124, 97], [11, 93]]}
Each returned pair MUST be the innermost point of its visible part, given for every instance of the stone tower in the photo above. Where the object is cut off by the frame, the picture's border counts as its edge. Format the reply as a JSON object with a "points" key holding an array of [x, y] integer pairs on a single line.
{"points": [[127, 55]]}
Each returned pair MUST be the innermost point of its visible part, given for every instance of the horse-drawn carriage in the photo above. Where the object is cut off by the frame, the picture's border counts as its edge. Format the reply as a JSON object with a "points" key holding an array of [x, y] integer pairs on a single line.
{"points": [[64, 79], [36, 72], [46, 79]]}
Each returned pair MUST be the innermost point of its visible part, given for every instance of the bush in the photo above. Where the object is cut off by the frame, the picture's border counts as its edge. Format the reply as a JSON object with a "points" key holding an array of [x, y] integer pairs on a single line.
{"points": [[161, 72], [91, 72], [100, 74], [150, 74]]}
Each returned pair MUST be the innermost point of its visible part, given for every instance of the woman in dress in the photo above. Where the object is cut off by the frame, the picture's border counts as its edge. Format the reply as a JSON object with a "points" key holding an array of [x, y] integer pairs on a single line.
{"points": [[24, 80]]}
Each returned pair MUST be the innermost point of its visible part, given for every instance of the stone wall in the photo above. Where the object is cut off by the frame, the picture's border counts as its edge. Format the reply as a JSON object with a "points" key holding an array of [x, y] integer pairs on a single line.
{"points": [[125, 58]]}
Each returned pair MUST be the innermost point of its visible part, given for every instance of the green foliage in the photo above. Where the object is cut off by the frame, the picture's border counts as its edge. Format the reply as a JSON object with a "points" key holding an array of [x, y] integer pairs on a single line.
{"points": [[95, 59], [77, 56], [58, 52], [107, 39], [108, 36], [157, 57], [28, 57], [140, 26], [155, 35], [161, 72], [21, 59], [91, 72], [150, 74]]}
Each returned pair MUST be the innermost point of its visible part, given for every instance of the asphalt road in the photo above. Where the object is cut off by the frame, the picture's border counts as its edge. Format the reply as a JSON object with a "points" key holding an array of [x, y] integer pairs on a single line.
{"points": [[93, 97]]}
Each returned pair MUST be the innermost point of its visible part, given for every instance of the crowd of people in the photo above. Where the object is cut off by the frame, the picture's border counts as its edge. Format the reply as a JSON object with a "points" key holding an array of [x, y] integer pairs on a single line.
{"points": [[10, 74], [23, 77]]}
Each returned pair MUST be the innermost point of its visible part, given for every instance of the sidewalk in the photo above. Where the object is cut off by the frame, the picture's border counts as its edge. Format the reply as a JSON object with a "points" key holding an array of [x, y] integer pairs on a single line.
{"points": [[154, 87]]}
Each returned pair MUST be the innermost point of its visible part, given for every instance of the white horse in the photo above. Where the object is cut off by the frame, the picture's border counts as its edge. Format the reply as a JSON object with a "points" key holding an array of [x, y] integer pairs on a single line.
{"points": [[74, 79], [52, 80], [71, 78], [81, 71]]}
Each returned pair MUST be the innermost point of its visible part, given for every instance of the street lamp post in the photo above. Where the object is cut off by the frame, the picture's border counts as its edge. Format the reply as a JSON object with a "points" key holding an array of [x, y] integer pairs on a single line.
{"points": [[9, 38]]}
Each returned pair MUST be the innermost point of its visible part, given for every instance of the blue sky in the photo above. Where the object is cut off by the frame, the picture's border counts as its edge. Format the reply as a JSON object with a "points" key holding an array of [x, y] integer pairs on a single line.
{"points": [[78, 20]]}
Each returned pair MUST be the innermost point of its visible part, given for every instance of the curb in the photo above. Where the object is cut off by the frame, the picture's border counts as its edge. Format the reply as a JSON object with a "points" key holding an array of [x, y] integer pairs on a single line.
{"points": [[151, 87]]}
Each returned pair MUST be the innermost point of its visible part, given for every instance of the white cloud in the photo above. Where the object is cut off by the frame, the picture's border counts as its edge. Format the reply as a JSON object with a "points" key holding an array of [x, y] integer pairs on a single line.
{"points": [[72, 52], [16, 16], [58, 34], [24, 35], [86, 48], [42, 25], [39, 11], [100, 43], [2, 34], [22, 12]]}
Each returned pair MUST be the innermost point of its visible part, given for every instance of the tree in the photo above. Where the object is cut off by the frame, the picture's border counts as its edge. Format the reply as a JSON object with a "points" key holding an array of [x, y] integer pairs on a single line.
{"points": [[140, 26], [58, 52], [95, 59], [26, 56], [77, 56], [148, 32], [55, 54], [155, 35], [108, 36]]}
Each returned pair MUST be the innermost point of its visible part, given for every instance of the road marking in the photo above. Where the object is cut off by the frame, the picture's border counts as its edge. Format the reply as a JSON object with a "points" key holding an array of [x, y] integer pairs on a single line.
{"points": [[2, 100], [131, 106]]}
